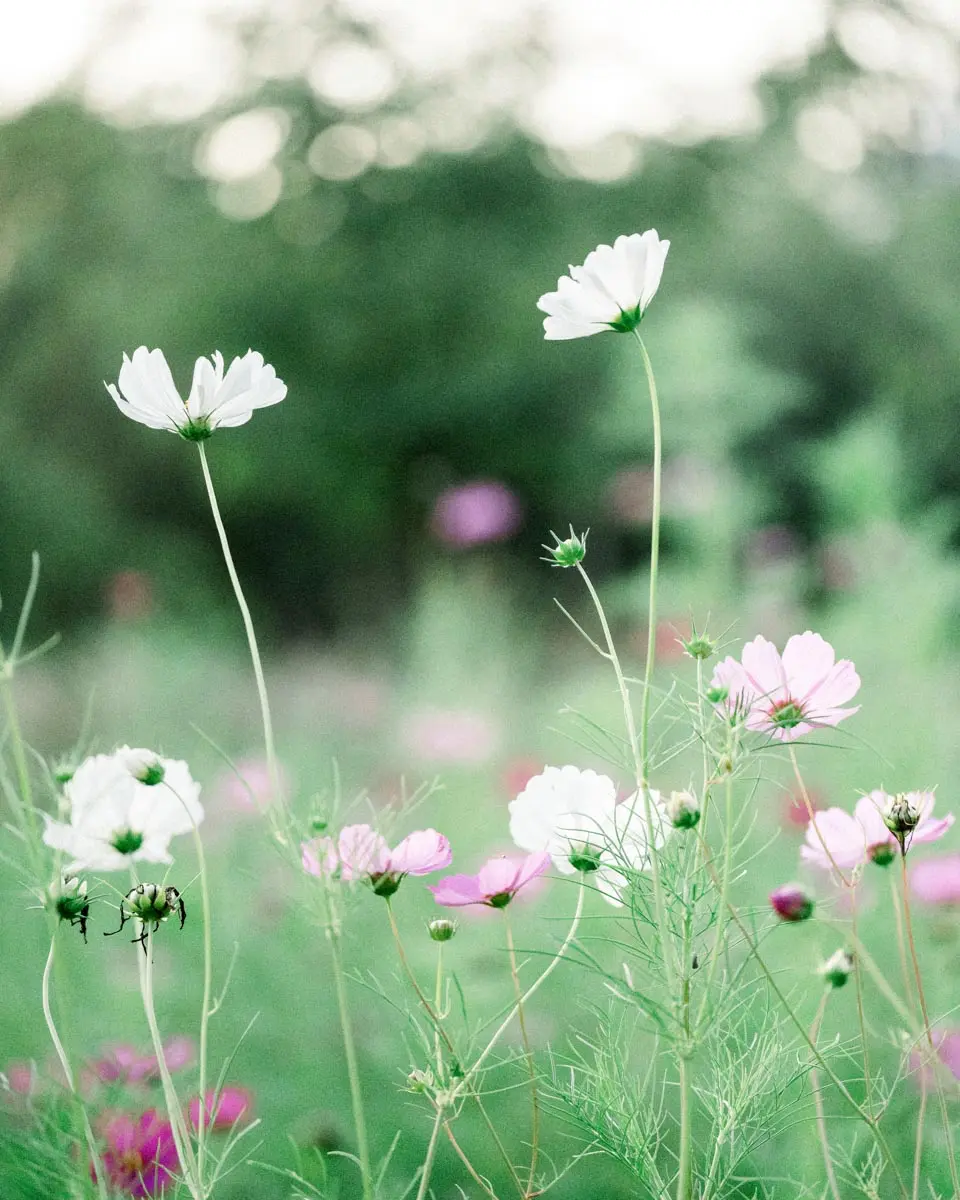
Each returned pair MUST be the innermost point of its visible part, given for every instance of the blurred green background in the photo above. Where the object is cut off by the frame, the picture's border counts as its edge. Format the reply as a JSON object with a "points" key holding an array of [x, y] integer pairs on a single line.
{"points": [[374, 195]]}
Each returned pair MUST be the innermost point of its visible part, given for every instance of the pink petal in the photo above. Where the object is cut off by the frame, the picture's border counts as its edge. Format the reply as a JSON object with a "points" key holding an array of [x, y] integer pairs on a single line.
{"points": [[319, 857], [420, 853], [937, 880], [231, 1105], [498, 875], [362, 851], [763, 667], [455, 891]]}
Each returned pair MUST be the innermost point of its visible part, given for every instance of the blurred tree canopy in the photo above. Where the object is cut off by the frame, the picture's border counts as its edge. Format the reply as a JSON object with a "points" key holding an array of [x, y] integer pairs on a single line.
{"points": [[399, 307]]}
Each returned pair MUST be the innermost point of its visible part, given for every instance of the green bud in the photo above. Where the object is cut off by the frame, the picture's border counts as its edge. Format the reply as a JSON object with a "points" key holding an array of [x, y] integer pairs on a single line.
{"points": [[700, 647], [683, 810], [442, 929], [420, 1081], [900, 816], [717, 695], [567, 552], [585, 859], [882, 854]]}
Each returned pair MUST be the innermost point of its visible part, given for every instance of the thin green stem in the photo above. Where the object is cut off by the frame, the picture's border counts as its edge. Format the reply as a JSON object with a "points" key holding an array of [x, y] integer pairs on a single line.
{"points": [[918, 1142], [528, 1053], [654, 560], [944, 1114], [726, 871], [685, 1162], [353, 1073], [462, 1155], [861, 1021], [181, 1137], [427, 1168], [95, 1160], [818, 1101], [268, 742], [808, 804]]}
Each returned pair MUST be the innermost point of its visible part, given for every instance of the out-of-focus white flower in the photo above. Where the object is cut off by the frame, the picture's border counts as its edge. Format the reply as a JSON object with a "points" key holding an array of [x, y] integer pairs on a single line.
{"points": [[574, 816], [610, 291], [147, 393], [115, 819]]}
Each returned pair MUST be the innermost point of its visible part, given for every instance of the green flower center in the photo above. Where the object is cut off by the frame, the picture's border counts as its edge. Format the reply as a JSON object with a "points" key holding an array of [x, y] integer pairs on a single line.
{"points": [[787, 715], [127, 841]]}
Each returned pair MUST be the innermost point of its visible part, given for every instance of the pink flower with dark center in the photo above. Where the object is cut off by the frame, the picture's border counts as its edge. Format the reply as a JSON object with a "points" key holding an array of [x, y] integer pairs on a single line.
{"points": [[937, 881], [361, 853], [790, 695], [495, 884], [472, 514], [232, 1105], [140, 1157], [854, 839]]}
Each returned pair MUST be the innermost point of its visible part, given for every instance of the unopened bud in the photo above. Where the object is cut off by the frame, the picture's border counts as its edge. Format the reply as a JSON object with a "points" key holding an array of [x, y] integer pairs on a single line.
{"points": [[717, 695], [900, 816], [70, 902], [442, 929], [143, 765], [683, 810], [568, 551], [420, 1081], [837, 969], [64, 770], [699, 647], [792, 902]]}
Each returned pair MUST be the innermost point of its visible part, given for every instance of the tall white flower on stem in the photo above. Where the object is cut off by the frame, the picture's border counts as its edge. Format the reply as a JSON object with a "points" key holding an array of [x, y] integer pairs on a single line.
{"points": [[146, 392], [612, 289], [115, 819], [573, 816]]}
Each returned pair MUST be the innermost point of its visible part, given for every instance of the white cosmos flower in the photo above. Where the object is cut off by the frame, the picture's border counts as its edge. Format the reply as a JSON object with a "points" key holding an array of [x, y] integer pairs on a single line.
{"points": [[147, 394], [610, 291], [115, 819]]}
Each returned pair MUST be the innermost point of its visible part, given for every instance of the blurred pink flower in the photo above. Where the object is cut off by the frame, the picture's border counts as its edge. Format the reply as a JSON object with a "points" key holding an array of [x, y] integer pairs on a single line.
{"points": [[947, 1042], [248, 788], [122, 1063], [495, 884], [795, 810], [129, 595], [232, 1105], [140, 1157], [791, 695], [361, 853], [861, 837], [472, 514], [937, 880], [21, 1077], [450, 735]]}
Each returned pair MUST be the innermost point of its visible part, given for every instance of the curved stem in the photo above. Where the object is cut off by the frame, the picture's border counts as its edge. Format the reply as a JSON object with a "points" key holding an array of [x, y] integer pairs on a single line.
{"points": [[818, 1101], [928, 1032], [68, 1073], [353, 1073], [654, 559], [805, 796], [531, 1066], [268, 742], [181, 1137]]}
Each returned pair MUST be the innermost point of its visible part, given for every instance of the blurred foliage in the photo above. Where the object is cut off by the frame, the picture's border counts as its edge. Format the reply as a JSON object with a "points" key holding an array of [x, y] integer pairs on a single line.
{"points": [[799, 305]]}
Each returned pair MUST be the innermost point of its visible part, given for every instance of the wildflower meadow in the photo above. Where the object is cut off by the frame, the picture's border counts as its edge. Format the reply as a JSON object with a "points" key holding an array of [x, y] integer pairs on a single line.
{"points": [[701, 951]]}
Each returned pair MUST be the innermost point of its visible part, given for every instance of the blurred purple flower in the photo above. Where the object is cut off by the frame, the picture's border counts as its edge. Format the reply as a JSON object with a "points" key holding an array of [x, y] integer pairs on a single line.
{"points": [[232, 1105], [123, 1063], [472, 514], [141, 1157], [495, 884], [937, 881], [247, 789]]}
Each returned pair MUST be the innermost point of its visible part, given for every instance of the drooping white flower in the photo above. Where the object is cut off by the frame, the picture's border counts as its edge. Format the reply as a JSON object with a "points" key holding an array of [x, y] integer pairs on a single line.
{"points": [[115, 819], [612, 289], [146, 392], [574, 816]]}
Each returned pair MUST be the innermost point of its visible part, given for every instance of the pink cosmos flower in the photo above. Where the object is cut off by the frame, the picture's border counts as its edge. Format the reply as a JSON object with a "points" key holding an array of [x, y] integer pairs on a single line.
{"points": [[361, 853], [937, 881], [495, 884], [790, 695], [450, 735], [122, 1063], [140, 1157], [232, 1105], [861, 837]]}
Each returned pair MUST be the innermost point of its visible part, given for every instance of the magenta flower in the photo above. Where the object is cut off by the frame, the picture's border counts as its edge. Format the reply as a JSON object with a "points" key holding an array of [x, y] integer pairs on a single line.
{"points": [[792, 902], [232, 1105], [495, 884], [140, 1157], [937, 880], [361, 853], [861, 837], [790, 695]]}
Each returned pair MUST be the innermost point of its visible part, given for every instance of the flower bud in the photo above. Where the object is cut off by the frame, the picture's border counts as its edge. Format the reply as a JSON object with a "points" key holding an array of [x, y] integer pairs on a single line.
{"points": [[717, 695], [420, 1081], [442, 929], [882, 854], [900, 816], [567, 552], [152, 902], [64, 770], [144, 766], [683, 810], [700, 647], [585, 859], [792, 902], [837, 969], [70, 902]]}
